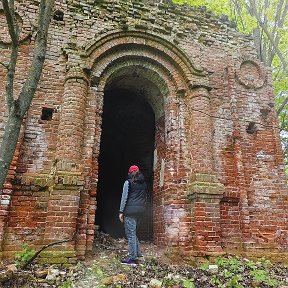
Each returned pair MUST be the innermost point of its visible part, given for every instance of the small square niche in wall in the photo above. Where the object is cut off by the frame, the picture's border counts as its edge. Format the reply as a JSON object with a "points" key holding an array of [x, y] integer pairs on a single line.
{"points": [[47, 113]]}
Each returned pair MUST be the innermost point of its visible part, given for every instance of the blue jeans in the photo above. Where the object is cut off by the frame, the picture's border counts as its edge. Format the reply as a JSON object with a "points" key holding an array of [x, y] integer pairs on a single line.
{"points": [[130, 225]]}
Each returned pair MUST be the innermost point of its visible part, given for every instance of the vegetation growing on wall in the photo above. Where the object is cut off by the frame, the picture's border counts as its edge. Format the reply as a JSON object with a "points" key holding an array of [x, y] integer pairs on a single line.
{"points": [[267, 22]]}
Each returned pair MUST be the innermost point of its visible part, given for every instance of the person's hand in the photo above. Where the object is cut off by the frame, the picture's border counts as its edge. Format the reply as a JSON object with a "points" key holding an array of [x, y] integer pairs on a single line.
{"points": [[121, 217]]}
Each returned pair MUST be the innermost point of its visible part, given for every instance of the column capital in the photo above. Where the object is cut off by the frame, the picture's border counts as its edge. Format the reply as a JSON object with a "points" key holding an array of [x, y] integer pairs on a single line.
{"points": [[204, 185], [77, 72], [200, 82], [204, 194], [198, 91]]}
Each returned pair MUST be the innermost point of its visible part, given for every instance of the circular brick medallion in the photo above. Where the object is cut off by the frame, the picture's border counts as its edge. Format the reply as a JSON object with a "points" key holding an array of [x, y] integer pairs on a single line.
{"points": [[251, 74]]}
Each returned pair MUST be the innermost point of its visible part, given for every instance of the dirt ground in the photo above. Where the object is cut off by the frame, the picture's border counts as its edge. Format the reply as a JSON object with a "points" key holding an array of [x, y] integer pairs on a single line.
{"points": [[103, 268]]}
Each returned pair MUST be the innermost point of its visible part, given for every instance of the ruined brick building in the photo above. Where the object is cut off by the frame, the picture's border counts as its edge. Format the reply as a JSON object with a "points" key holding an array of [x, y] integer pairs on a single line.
{"points": [[173, 89]]}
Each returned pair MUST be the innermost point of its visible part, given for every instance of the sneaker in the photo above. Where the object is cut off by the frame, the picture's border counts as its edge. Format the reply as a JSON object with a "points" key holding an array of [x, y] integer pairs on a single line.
{"points": [[129, 262]]}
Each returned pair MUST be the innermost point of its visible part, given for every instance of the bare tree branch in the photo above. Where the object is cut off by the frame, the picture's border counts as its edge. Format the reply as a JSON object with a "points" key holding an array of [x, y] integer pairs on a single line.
{"points": [[41, 20], [11, 76], [281, 22], [257, 37], [285, 11], [14, 34], [9, 11], [277, 16], [19, 107], [4, 65], [34, 73], [25, 265], [264, 41], [253, 9], [238, 10], [281, 108], [278, 23]]}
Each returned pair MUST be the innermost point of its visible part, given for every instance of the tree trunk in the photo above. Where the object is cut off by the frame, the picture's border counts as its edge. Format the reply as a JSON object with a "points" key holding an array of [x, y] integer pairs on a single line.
{"points": [[8, 145], [18, 106]]}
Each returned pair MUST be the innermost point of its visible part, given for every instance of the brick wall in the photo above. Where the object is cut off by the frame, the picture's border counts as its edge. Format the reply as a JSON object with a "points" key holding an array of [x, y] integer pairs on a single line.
{"points": [[219, 184]]}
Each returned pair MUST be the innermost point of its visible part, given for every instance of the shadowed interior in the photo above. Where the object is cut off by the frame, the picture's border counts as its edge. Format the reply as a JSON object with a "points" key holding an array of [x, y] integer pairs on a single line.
{"points": [[128, 133]]}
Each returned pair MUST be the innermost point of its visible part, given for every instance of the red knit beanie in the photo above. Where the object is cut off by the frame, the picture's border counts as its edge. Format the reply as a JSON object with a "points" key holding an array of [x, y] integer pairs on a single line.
{"points": [[133, 168]]}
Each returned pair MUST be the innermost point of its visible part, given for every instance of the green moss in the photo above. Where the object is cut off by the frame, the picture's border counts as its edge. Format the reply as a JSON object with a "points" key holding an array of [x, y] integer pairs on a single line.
{"points": [[55, 254], [142, 26]]}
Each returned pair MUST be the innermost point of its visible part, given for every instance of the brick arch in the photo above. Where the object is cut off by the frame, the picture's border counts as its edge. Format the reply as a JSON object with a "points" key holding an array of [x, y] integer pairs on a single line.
{"points": [[130, 58], [139, 43], [144, 55], [164, 65], [159, 76], [161, 70]]}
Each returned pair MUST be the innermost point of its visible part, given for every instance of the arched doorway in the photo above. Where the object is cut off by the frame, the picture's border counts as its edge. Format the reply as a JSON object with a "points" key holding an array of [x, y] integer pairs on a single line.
{"points": [[128, 136], [158, 74]]}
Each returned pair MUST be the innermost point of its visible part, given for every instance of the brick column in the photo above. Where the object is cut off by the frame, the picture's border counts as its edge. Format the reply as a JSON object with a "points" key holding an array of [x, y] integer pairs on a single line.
{"points": [[64, 200], [71, 126], [200, 130], [204, 189]]}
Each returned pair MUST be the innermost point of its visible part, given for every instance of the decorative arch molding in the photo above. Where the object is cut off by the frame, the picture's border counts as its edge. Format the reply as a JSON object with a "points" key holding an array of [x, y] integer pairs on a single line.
{"points": [[148, 70], [136, 67], [138, 43], [143, 58]]}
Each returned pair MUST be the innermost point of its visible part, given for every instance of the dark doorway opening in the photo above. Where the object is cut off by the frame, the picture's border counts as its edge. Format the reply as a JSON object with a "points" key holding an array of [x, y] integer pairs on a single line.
{"points": [[128, 135]]}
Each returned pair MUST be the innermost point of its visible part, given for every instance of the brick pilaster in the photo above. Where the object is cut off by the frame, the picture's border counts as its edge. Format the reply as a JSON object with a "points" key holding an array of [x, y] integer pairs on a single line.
{"points": [[205, 193], [64, 200], [204, 189], [200, 130]]}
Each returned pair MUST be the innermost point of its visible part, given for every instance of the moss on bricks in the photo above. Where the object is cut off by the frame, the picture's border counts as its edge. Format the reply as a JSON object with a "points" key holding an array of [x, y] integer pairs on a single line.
{"points": [[55, 254]]}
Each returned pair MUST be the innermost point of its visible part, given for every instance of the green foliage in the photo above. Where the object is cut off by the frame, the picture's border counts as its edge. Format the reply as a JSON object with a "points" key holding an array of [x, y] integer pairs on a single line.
{"points": [[151, 261], [216, 281], [267, 21], [169, 281], [232, 272], [151, 264], [232, 264], [234, 281], [233, 269], [223, 7], [66, 284], [24, 256], [262, 276], [188, 283], [204, 266], [98, 271]]}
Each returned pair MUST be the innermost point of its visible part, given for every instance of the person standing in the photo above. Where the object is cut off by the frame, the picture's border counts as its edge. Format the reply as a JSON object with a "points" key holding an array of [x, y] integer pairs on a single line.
{"points": [[132, 206]]}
